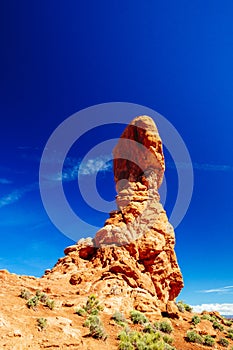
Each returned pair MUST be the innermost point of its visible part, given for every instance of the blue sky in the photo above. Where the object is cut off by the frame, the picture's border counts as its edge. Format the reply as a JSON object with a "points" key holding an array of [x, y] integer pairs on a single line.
{"points": [[59, 57]]}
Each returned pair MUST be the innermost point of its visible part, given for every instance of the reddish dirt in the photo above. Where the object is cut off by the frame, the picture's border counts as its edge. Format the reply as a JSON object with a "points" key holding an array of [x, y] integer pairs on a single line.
{"points": [[18, 323]]}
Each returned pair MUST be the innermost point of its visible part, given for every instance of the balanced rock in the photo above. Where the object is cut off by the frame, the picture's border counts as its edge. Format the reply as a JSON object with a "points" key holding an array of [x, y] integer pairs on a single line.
{"points": [[131, 262]]}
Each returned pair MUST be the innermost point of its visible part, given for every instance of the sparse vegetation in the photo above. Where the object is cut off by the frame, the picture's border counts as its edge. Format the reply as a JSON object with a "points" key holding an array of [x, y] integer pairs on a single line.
{"points": [[195, 320], [50, 303], [182, 306], [165, 327], [41, 323], [95, 326], [32, 302], [139, 341], [230, 333], [92, 307], [167, 339], [41, 296], [149, 328], [80, 311], [25, 294], [194, 337], [207, 317], [93, 322], [218, 326], [150, 338], [208, 340], [119, 318], [138, 317], [227, 322], [224, 342]]}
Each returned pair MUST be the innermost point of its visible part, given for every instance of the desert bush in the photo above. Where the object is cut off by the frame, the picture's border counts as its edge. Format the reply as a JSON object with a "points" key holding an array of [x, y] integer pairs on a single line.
{"points": [[139, 341], [218, 325], [93, 305], [207, 317], [25, 294], [230, 333], [149, 328], [194, 337], [165, 327], [195, 320], [41, 323], [138, 317], [41, 296], [227, 322], [95, 326], [123, 336], [224, 342], [119, 318], [80, 311], [182, 306], [50, 304], [208, 340], [126, 345], [32, 302], [167, 339]]}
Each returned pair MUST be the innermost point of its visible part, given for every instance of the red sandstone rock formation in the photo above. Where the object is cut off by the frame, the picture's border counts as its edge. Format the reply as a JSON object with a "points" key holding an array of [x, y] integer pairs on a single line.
{"points": [[131, 262]]}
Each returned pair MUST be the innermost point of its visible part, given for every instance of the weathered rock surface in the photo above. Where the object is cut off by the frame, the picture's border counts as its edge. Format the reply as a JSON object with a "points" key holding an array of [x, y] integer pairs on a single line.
{"points": [[131, 262]]}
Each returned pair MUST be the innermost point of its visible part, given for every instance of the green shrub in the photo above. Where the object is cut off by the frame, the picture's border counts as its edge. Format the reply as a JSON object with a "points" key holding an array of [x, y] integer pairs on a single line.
{"points": [[209, 318], [25, 294], [93, 305], [218, 325], [206, 317], [123, 336], [208, 340], [165, 327], [50, 303], [194, 337], [167, 339], [139, 341], [196, 319], [230, 333], [227, 322], [95, 326], [224, 342], [41, 323], [32, 302], [149, 328], [41, 296], [182, 306], [80, 311], [119, 318], [138, 317], [126, 345]]}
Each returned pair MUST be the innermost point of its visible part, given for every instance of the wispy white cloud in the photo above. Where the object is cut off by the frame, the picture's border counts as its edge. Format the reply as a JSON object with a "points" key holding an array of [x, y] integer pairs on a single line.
{"points": [[4, 181], [221, 290], [223, 309], [16, 195], [74, 167]]}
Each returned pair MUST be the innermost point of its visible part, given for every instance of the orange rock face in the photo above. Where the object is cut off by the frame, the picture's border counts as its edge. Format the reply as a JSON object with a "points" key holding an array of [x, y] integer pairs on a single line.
{"points": [[131, 262]]}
